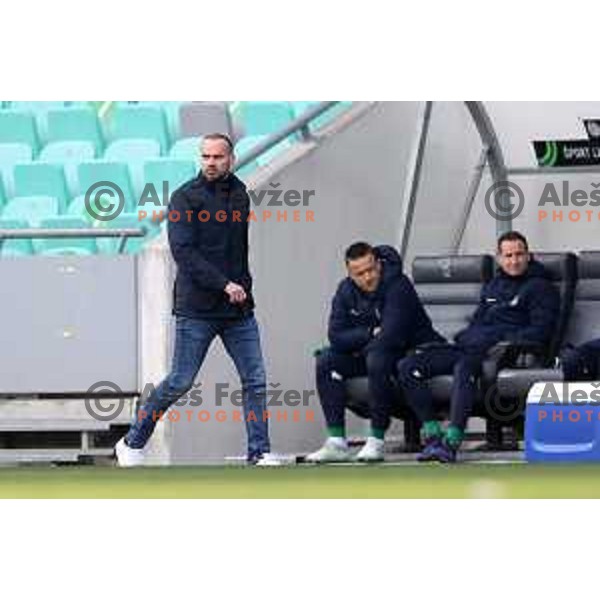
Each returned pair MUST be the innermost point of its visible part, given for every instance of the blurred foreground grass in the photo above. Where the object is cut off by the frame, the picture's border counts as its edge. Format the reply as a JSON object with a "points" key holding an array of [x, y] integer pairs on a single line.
{"points": [[386, 481]]}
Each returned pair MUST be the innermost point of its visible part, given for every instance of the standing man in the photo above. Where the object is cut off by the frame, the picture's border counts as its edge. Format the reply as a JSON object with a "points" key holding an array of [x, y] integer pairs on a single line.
{"points": [[519, 304], [376, 316], [208, 237]]}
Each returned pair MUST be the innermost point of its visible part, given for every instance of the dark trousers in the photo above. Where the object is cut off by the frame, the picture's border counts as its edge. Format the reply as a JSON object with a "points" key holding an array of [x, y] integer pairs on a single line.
{"points": [[414, 373], [581, 363], [333, 369]]}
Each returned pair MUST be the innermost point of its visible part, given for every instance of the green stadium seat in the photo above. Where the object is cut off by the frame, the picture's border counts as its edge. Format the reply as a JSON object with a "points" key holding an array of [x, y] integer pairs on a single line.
{"points": [[172, 113], [77, 208], [135, 149], [40, 112], [134, 152], [68, 151], [70, 154], [41, 179], [31, 209], [77, 103], [15, 247], [18, 127], [37, 106], [65, 246], [187, 149], [134, 121], [79, 123], [259, 118], [10, 155], [2, 192], [174, 172], [170, 108], [126, 221], [94, 172]]}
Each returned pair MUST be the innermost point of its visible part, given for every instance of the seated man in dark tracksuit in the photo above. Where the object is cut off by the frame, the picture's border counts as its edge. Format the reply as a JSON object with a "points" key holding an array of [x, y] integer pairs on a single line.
{"points": [[519, 304], [376, 316], [581, 363]]}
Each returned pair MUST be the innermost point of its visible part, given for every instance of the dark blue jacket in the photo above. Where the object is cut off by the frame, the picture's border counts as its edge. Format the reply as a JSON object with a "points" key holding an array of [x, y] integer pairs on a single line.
{"points": [[394, 306], [209, 254], [515, 309]]}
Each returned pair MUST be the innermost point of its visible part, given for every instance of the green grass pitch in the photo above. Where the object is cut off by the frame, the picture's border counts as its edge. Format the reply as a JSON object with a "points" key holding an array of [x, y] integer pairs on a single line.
{"points": [[385, 481]]}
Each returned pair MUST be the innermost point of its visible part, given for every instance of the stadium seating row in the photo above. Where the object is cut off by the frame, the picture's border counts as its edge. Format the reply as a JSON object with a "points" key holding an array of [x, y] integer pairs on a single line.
{"points": [[52, 153], [16, 165], [50, 179], [39, 123]]}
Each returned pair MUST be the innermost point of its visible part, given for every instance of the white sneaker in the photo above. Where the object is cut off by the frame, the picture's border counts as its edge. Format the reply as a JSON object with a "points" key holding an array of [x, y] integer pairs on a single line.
{"points": [[372, 451], [268, 459], [128, 457], [333, 450]]}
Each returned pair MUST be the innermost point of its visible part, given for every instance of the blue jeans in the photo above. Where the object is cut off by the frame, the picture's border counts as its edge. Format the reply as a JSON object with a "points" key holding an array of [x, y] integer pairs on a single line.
{"points": [[193, 337]]}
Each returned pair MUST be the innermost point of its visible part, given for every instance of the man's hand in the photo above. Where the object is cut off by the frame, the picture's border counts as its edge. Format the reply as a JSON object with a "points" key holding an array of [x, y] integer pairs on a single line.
{"points": [[236, 293], [376, 331]]}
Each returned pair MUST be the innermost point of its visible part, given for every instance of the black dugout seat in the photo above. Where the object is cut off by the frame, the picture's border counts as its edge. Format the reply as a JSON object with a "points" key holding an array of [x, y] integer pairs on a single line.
{"points": [[450, 288]]}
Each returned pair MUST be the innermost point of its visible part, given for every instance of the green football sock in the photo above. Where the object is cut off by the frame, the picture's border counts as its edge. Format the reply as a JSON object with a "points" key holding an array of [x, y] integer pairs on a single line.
{"points": [[454, 436], [337, 431], [431, 429]]}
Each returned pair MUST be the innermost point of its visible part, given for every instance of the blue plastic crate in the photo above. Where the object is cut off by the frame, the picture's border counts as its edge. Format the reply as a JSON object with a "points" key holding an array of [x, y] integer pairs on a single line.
{"points": [[562, 422]]}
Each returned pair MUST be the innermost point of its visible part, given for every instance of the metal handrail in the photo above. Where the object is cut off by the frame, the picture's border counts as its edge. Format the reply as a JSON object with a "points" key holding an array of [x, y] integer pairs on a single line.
{"points": [[495, 157], [19, 234], [124, 233], [299, 124]]}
